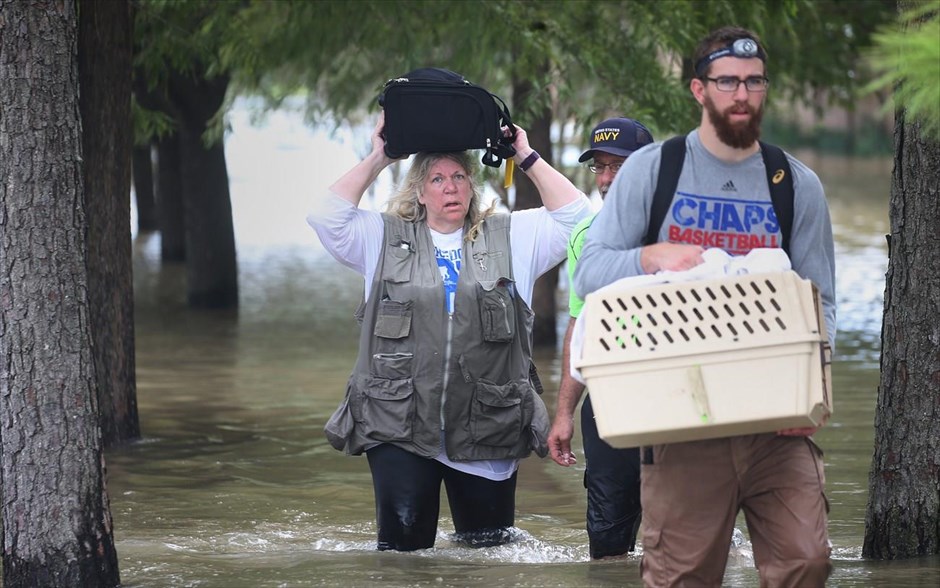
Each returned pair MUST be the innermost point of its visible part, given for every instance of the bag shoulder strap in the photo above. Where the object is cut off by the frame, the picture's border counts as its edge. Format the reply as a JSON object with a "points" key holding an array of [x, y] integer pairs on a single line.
{"points": [[670, 167], [780, 184]]}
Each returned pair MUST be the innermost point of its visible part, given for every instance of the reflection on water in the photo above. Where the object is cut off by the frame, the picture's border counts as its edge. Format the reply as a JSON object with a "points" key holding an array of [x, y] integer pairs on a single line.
{"points": [[858, 192], [235, 485]]}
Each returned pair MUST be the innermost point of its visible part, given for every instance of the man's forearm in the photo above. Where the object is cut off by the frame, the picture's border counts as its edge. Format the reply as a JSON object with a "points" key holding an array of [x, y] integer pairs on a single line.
{"points": [[569, 389]]}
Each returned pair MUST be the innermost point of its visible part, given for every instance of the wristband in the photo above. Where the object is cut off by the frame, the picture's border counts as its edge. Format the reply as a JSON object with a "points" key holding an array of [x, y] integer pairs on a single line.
{"points": [[528, 161]]}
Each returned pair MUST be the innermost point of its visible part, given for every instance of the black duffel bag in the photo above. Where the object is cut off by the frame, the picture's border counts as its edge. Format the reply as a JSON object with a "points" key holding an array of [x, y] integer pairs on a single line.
{"points": [[437, 110]]}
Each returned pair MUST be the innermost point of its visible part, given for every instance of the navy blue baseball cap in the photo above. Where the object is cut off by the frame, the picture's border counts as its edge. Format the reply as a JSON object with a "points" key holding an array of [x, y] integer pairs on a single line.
{"points": [[617, 136]]}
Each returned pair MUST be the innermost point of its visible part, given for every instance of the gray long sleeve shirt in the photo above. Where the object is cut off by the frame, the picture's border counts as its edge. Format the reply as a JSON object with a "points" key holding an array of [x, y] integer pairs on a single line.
{"points": [[717, 204]]}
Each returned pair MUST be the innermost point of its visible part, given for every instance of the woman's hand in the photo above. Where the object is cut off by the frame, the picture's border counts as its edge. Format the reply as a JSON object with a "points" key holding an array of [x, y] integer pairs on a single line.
{"points": [[378, 139], [520, 143], [353, 184], [554, 188]]}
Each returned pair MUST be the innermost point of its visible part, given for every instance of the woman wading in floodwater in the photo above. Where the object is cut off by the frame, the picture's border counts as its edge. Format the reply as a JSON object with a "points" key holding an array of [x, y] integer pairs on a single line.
{"points": [[441, 390]]}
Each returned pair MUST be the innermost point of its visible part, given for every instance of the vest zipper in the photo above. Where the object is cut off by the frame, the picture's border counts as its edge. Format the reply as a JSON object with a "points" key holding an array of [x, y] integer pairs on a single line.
{"points": [[447, 350]]}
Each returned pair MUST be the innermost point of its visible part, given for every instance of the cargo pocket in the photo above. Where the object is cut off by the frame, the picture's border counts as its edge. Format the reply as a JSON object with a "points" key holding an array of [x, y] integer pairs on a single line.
{"points": [[394, 319], [399, 263], [392, 366], [340, 426], [387, 408], [655, 513], [497, 312], [538, 423], [496, 414], [818, 458]]}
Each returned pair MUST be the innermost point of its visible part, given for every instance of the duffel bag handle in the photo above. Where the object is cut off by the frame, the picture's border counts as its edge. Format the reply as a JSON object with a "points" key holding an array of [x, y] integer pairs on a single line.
{"points": [[494, 155], [504, 146]]}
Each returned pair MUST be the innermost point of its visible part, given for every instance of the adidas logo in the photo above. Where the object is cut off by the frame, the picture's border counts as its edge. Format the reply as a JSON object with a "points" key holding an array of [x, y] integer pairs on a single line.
{"points": [[729, 187]]}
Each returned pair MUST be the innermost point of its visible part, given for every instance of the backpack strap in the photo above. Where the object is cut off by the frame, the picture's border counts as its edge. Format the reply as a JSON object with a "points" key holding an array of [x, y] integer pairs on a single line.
{"points": [[780, 184], [670, 166]]}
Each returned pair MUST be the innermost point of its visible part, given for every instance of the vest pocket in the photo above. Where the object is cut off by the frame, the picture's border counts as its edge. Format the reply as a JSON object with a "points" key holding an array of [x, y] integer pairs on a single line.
{"points": [[392, 366], [399, 262], [387, 408], [496, 414], [497, 312], [393, 320], [340, 426]]}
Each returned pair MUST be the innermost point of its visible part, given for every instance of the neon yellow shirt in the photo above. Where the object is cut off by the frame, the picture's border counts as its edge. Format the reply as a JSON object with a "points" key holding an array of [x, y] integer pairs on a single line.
{"points": [[575, 243]]}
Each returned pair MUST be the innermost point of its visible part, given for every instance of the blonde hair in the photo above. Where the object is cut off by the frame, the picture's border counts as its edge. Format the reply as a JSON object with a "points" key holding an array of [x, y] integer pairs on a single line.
{"points": [[405, 203]]}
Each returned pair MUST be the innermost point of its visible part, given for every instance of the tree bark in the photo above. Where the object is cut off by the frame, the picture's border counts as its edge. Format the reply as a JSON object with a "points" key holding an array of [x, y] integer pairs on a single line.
{"points": [[544, 331], [142, 164], [211, 269], [104, 69], [56, 520], [170, 200], [903, 516]]}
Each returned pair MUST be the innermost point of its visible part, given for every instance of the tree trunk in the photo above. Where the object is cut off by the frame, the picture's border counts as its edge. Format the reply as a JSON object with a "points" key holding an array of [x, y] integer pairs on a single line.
{"points": [[143, 188], [104, 69], [169, 187], [903, 517], [168, 184], [56, 521], [211, 270], [544, 333]]}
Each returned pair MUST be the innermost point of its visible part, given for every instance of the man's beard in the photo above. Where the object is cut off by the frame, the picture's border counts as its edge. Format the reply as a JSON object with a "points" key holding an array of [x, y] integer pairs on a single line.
{"points": [[732, 134]]}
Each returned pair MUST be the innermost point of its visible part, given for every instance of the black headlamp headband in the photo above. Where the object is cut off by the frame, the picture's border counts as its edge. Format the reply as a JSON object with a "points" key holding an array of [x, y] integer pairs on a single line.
{"points": [[743, 48]]}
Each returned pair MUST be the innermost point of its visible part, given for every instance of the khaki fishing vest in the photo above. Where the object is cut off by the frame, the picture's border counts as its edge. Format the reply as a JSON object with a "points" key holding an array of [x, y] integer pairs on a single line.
{"points": [[421, 372]]}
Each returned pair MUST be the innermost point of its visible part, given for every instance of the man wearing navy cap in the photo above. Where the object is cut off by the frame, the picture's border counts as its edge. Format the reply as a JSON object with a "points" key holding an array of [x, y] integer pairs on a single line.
{"points": [[612, 476], [612, 141]]}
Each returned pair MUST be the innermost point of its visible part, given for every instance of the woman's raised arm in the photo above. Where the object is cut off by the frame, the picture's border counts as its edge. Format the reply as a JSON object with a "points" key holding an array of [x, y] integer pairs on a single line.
{"points": [[555, 189], [354, 183]]}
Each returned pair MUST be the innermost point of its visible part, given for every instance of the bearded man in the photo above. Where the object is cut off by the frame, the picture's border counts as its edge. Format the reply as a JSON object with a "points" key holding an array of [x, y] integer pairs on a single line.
{"points": [[692, 492]]}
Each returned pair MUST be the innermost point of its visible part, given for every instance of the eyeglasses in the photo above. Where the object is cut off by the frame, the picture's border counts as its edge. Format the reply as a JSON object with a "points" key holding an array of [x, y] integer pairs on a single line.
{"points": [[730, 84], [598, 168]]}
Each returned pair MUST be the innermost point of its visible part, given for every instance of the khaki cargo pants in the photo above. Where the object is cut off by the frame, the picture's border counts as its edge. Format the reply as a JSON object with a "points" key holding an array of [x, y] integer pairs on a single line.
{"points": [[692, 492]]}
